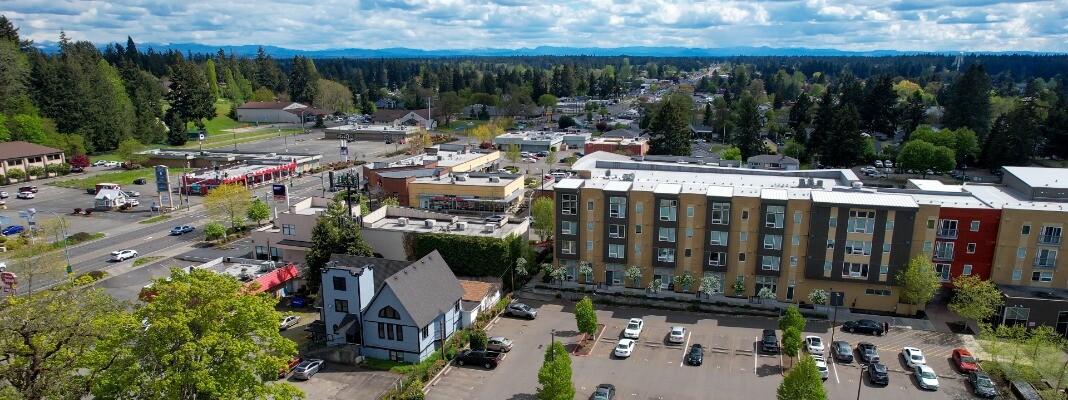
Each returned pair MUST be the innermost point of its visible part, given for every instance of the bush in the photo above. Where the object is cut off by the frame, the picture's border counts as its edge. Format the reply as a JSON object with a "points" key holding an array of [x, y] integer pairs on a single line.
{"points": [[80, 237], [478, 339], [214, 230], [97, 275], [466, 255], [16, 174], [35, 171], [413, 391]]}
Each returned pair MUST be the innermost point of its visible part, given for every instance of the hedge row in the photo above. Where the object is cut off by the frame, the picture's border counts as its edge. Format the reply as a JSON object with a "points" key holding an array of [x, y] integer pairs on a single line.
{"points": [[466, 255]]}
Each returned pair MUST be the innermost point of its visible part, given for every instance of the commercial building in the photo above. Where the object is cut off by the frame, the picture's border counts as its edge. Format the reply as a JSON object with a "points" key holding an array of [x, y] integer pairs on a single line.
{"points": [[530, 141], [249, 175], [631, 147], [477, 193], [205, 159], [418, 118], [393, 178], [371, 132], [790, 232], [387, 227], [288, 238], [25, 155], [279, 111], [259, 276]]}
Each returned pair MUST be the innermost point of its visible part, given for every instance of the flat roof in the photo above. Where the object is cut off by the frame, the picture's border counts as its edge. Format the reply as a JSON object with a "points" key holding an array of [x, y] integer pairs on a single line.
{"points": [[1035, 293], [474, 226], [858, 198], [1036, 177], [504, 180], [933, 185], [569, 183], [774, 194]]}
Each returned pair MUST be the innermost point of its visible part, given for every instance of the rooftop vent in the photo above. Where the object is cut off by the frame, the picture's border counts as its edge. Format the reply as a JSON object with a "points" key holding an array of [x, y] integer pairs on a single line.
{"points": [[429, 223], [402, 221], [495, 179]]}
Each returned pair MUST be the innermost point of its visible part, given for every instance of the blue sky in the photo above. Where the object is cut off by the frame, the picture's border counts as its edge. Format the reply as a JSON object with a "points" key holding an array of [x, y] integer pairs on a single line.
{"points": [[919, 25]]}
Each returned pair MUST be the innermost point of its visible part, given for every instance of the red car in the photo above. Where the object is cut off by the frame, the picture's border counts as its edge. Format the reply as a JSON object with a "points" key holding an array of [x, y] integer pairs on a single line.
{"points": [[964, 360], [289, 368]]}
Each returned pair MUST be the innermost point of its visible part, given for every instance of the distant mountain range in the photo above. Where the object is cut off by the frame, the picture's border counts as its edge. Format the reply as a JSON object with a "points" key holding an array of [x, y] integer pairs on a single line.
{"points": [[402, 52]]}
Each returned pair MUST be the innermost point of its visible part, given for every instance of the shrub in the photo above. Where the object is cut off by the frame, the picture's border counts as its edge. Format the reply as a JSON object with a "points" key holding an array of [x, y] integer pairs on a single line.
{"points": [[478, 339], [467, 255], [97, 275], [80, 160], [214, 230], [16, 174], [80, 237], [35, 171]]}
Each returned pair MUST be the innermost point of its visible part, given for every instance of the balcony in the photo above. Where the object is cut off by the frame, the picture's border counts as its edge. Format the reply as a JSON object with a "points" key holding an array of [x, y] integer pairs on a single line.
{"points": [[1045, 262], [1049, 240], [947, 234]]}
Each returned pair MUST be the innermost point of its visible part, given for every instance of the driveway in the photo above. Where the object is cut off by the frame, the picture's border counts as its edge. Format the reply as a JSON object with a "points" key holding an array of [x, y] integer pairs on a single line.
{"points": [[346, 382]]}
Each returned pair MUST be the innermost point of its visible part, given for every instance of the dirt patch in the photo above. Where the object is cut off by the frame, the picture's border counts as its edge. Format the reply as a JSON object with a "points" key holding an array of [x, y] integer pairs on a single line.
{"points": [[586, 343], [960, 328]]}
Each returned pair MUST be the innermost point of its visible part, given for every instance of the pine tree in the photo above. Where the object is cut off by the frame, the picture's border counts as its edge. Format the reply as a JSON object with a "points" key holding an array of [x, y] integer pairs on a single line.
{"points": [[879, 115], [801, 118], [845, 146], [304, 80], [968, 102], [822, 124], [670, 126], [190, 101], [747, 127], [913, 113]]}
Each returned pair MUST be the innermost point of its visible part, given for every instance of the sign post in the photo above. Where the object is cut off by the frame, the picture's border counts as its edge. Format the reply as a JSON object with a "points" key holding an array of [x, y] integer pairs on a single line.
{"points": [[281, 192]]}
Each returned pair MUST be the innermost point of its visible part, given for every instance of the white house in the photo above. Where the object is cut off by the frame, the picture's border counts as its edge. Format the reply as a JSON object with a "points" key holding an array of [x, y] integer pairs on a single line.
{"points": [[110, 199], [478, 297]]}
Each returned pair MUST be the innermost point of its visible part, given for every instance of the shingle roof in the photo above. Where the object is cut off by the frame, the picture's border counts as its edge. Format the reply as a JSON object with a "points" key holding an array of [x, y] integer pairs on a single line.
{"points": [[475, 290], [772, 158], [622, 133], [266, 105], [427, 288], [383, 268], [24, 149]]}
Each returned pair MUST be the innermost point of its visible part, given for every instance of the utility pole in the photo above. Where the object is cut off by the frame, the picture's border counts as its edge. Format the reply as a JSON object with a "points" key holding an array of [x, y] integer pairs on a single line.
{"points": [[63, 229]]}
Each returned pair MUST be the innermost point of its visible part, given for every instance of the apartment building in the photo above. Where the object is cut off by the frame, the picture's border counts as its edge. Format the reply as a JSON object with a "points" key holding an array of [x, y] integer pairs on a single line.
{"points": [[792, 232]]}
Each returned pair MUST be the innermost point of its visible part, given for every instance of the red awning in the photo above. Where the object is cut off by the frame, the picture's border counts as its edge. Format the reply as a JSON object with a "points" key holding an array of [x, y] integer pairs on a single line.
{"points": [[274, 279]]}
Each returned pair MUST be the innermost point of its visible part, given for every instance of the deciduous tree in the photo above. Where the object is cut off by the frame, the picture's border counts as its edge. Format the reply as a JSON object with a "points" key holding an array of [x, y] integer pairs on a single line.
{"points": [[554, 376], [975, 298], [258, 211], [130, 150], [585, 316], [918, 281], [228, 204], [544, 213], [923, 156], [478, 339], [802, 382]]}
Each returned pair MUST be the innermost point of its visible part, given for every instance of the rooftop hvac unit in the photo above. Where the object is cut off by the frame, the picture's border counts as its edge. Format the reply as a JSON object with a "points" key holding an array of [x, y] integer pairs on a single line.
{"points": [[461, 177], [402, 221], [430, 223], [495, 179], [628, 177], [461, 226], [858, 185], [267, 266], [489, 228]]}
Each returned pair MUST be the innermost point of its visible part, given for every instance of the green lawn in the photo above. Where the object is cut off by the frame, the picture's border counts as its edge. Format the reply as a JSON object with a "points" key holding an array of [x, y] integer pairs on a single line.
{"points": [[123, 178], [228, 139], [463, 122], [155, 219], [221, 120], [146, 260]]}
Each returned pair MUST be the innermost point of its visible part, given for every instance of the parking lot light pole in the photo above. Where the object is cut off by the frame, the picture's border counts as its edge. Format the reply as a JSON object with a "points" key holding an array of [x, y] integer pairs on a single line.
{"points": [[834, 320], [860, 382], [63, 228]]}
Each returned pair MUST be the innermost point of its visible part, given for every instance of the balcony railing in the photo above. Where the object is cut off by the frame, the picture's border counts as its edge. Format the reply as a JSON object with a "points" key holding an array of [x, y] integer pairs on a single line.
{"points": [[947, 233], [1045, 262], [1049, 240]]}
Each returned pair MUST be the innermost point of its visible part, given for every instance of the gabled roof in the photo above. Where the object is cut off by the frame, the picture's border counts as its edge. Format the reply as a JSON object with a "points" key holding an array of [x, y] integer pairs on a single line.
{"points": [[392, 115], [476, 290], [266, 105], [383, 268], [772, 158], [426, 288], [622, 133], [21, 149]]}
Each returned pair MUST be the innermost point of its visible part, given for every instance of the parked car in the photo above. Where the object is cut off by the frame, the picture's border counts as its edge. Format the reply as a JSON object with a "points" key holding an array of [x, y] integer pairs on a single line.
{"points": [[925, 377], [179, 230], [288, 322], [913, 357], [485, 358], [843, 353], [878, 164], [111, 164], [821, 365], [521, 310], [634, 328], [98, 163], [4, 195], [499, 343], [863, 326], [28, 188], [605, 391], [307, 368], [76, 169], [814, 345], [624, 348], [140, 181], [122, 255], [964, 360], [878, 374], [769, 343], [888, 164], [289, 367], [542, 154], [696, 355], [26, 195], [133, 193], [982, 384], [677, 334], [495, 218], [869, 354], [530, 160], [133, 202], [12, 230]]}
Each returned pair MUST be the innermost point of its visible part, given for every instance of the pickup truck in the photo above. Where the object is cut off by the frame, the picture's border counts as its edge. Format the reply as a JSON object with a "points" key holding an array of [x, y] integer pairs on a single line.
{"points": [[488, 359]]}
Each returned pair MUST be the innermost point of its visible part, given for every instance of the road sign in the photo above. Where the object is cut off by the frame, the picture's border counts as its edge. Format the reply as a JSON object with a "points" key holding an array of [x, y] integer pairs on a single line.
{"points": [[280, 191], [8, 280], [163, 181]]}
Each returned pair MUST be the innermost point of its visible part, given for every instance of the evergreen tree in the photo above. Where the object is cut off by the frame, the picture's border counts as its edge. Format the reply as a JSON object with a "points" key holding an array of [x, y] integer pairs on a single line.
{"points": [[968, 102], [845, 146], [1016, 138], [707, 120], [304, 81], [913, 112], [212, 78], [267, 73], [131, 54], [190, 101], [14, 76], [879, 114], [822, 124], [670, 126], [801, 118], [747, 125]]}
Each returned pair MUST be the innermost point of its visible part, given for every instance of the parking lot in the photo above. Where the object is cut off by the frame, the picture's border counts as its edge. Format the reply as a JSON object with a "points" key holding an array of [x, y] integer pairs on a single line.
{"points": [[731, 368], [337, 381]]}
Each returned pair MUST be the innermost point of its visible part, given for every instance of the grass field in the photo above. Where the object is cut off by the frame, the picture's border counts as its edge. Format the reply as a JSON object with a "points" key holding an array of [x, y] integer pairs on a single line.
{"points": [[228, 139], [462, 123], [221, 121], [123, 178]]}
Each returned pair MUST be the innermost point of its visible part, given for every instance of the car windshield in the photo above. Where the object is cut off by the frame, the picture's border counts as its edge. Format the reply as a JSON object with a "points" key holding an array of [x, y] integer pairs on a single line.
{"points": [[984, 382], [816, 342], [622, 346], [601, 394], [927, 375], [966, 359], [633, 325], [917, 357]]}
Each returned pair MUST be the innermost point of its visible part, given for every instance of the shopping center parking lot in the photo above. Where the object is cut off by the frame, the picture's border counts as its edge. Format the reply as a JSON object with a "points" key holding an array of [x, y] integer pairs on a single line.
{"points": [[731, 369]]}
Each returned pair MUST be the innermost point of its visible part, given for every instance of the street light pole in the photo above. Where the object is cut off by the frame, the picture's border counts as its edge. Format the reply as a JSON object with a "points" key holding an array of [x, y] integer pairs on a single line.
{"points": [[860, 381], [834, 320]]}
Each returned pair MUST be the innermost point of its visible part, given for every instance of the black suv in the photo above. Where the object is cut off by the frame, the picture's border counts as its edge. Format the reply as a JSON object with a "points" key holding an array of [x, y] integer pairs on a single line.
{"points": [[878, 375], [696, 355], [865, 326], [769, 343]]}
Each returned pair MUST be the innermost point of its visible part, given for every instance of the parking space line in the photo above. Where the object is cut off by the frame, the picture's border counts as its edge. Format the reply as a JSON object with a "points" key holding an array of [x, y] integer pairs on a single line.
{"points": [[684, 346], [755, 339], [834, 366]]}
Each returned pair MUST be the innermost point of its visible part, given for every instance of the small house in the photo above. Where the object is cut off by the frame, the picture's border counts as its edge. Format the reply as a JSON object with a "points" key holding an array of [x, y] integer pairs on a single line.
{"points": [[110, 199]]}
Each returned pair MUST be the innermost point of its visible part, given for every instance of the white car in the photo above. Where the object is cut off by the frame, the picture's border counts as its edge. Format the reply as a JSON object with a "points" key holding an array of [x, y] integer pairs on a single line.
{"points": [[821, 365], [913, 357], [111, 164], [624, 348], [4, 195], [26, 195], [123, 255], [98, 163], [133, 202], [677, 335], [288, 322], [925, 376], [634, 328], [530, 160], [814, 345]]}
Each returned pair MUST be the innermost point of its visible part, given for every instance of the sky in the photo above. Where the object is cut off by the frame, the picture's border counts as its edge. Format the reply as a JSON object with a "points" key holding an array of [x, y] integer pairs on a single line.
{"points": [[858, 25]]}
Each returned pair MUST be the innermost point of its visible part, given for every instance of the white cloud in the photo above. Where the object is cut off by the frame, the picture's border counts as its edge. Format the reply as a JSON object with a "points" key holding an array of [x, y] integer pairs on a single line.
{"points": [[925, 25]]}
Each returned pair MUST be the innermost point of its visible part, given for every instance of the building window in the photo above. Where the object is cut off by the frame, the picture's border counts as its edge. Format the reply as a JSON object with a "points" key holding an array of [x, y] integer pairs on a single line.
{"points": [[975, 226], [688, 252], [1046, 258], [689, 211], [943, 271], [769, 263], [568, 227], [796, 240], [1042, 276], [856, 247], [793, 261], [389, 332], [617, 207], [927, 246], [340, 284], [967, 269], [589, 245], [668, 210], [289, 230], [930, 224], [381, 330], [797, 217], [769, 282], [637, 249], [718, 238], [400, 332], [741, 257], [1051, 235], [745, 214], [569, 204], [589, 226], [773, 242], [883, 269], [855, 270], [1025, 230], [861, 222], [943, 250], [567, 247], [971, 248], [638, 208], [1021, 252], [827, 266], [1017, 274], [388, 312], [830, 244], [889, 225], [790, 289], [743, 236], [341, 305], [774, 216], [877, 292], [947, 228], [589, 205], [617, 231], [721, 213], [426, 331], [276, 253], [665, 254], [886, 247], [261, 251], [637, 229], [717, 258], [616, 250], [667, 235], [689, 232], [832, 222]]}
